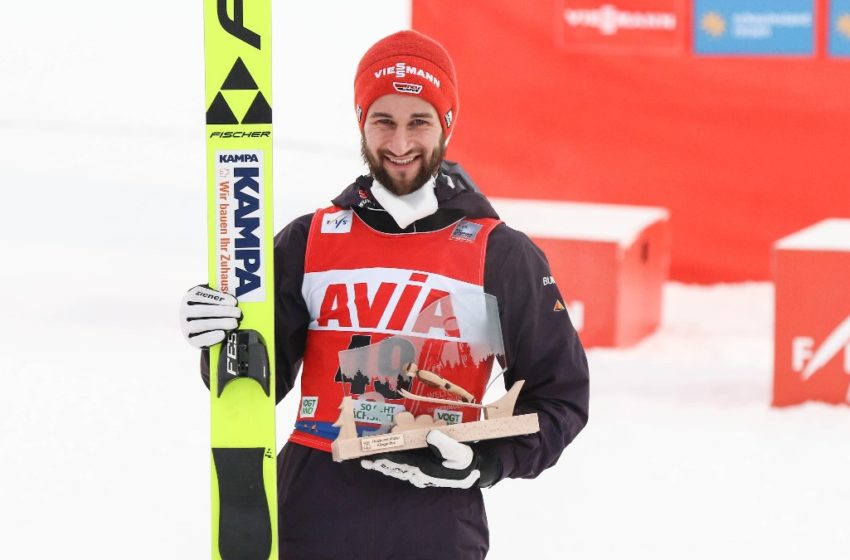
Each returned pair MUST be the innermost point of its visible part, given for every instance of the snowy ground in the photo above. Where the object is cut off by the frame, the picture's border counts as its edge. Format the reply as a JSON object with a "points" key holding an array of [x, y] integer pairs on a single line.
{"points": [[103, 420], [683, 457]]}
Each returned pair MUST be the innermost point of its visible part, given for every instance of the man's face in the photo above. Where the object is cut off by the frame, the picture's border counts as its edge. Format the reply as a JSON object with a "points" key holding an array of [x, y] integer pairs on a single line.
{"points": [[402, 142]]}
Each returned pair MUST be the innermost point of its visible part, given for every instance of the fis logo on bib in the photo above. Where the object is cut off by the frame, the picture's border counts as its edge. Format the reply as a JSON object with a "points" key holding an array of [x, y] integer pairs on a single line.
{"points": [[239, 224], [337, 222]]}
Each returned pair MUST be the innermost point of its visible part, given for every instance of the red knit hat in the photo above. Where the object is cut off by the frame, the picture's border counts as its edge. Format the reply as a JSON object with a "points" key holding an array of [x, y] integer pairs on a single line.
{"points": [[407, 62]]}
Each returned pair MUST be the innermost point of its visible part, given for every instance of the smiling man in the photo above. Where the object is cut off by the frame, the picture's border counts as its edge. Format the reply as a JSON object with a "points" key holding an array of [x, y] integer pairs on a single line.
{"points": [[354, 273], [402, 143]]}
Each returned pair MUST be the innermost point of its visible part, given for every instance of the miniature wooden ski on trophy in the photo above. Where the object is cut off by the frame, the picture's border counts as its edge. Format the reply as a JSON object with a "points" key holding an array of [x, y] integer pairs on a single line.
{"points": [[408, 432]]}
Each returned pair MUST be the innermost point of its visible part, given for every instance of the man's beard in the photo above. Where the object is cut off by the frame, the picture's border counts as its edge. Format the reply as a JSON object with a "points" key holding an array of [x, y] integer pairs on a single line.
{"points": [[428, 169]]}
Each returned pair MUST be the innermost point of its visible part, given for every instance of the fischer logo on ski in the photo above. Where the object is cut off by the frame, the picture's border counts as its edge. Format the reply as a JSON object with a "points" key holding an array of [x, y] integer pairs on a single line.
{"points": [[239, 79]]}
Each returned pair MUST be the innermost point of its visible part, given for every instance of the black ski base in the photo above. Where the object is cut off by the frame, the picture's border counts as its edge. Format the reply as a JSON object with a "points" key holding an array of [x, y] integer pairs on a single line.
{"points": [[245, 531]]}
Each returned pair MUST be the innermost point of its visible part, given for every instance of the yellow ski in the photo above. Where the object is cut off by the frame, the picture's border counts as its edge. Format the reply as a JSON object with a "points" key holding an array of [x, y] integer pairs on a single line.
{"points": [[237, 45]]}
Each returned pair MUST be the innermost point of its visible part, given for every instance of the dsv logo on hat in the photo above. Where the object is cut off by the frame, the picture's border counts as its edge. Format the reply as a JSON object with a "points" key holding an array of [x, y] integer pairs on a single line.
{"points": [[402, 87]]}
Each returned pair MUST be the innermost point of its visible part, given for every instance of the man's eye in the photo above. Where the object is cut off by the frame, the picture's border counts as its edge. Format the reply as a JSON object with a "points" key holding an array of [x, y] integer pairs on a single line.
{"points": [[418, 122]]}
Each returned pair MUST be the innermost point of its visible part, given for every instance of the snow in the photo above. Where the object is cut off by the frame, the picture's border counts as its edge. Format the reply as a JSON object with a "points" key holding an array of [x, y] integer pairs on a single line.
{"points": [[683, 457], [104, 421], [827, 235]]}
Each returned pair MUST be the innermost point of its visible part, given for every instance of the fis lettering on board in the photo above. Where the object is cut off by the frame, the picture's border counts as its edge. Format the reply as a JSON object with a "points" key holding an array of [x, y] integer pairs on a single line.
{"points": [[807, 359], [338, 222]]}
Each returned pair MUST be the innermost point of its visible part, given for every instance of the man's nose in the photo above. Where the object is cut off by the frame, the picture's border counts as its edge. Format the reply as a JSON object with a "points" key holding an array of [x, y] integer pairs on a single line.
{"points": [[401, 141]]}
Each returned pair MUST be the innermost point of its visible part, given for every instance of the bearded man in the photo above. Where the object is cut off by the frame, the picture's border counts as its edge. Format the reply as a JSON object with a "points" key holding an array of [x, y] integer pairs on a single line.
{"points": [[415, 225]]}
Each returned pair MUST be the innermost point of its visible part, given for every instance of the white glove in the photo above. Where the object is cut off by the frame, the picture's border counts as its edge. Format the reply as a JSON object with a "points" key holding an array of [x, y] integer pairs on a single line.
{"points": [[448, 464], [206, 315]]}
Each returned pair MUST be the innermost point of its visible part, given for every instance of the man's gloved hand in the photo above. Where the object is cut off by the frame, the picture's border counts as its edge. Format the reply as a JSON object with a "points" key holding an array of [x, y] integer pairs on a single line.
{"points": [[448, 464], [206, 315]]}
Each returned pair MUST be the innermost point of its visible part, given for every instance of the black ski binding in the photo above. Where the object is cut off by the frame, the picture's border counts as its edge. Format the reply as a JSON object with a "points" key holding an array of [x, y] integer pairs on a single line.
{"points": [[243, 354]]}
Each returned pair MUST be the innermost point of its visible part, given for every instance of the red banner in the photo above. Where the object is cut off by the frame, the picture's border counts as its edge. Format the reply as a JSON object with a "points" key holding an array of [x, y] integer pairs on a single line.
{"points": [[742, 151]]}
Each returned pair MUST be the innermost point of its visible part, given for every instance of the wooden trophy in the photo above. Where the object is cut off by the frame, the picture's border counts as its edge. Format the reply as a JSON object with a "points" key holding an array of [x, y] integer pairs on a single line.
{"points": [[409, 432]]}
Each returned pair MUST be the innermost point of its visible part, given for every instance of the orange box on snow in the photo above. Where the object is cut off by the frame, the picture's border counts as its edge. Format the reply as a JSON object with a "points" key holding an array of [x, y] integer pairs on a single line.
{"points": [[811, 272], [609, 261]]}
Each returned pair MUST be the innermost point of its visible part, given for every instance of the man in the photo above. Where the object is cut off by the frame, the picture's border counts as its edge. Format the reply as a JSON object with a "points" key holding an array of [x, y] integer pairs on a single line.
{"points": [[415, 221]]}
